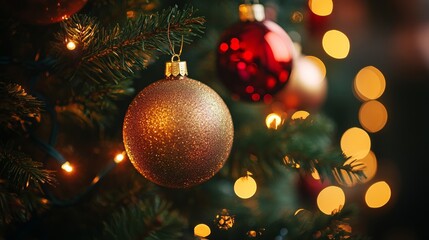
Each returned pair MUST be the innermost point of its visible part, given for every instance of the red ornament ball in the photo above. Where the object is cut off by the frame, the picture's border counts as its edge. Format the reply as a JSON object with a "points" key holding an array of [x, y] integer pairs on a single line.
{"points": [[254, 60], [43, 12]]}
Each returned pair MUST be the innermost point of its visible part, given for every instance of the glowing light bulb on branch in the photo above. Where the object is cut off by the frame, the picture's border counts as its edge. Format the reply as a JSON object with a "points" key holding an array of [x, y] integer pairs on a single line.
{"points": [[71, 45], [67, 167], [119, 157]]}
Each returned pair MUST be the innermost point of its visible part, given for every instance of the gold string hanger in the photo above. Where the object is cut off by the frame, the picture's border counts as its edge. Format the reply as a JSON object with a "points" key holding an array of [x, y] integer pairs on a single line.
{"points": [[172, 51], [175, 67]]}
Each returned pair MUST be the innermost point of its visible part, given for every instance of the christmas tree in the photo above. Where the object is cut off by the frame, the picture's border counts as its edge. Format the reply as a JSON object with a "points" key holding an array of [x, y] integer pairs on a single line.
{"points": [[125, 120]]}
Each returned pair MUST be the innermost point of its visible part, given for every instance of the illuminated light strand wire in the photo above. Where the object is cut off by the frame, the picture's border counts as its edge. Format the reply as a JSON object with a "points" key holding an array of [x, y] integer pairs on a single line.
{"points": [[41, 66]]}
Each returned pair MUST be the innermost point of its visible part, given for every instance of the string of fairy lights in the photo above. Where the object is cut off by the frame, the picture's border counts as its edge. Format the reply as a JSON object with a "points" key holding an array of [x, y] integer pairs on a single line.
{"points": [[41, 66]]}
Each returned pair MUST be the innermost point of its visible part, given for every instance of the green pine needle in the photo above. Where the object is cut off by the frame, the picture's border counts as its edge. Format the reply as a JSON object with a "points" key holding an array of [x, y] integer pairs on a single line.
{"points": [[305, 145], [17, 108], [151, 219], [18, 171], [21, 179]]}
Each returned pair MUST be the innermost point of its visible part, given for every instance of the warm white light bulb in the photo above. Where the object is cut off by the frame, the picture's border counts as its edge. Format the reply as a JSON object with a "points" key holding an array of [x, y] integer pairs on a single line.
{"points": [[71, 46], [67, 167], [119, 157]]}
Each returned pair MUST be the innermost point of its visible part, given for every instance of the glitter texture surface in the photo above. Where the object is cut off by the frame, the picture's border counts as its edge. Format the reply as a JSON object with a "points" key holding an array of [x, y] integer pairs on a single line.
{"points": [[178, 132]]}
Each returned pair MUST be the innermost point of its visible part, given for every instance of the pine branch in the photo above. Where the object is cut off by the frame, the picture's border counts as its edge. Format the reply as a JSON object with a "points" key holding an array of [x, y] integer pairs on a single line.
{"points": [[19, 207], [17, 108], [102, 68], [149, 219], [302, 144], [8, 212], [20, 172], [20, 185], [305, 224], [116, 54], [309, 147]]}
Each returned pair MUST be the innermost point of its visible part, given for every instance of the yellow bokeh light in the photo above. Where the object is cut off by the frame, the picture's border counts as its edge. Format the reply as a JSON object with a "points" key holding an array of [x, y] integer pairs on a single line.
{"points": [[273, 120], [372, 116], [355, 143], [378, 194], [319, 63], [245, 187], [369, 83], [331, 199], [300, 114], [67, 167], [336, 44], [321, 7], [71, 46], [202, 230]]}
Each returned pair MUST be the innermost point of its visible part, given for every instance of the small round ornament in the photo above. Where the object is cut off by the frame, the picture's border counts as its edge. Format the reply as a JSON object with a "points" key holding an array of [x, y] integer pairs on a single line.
{"points": [[224, 220], [178, 132], [43, 12], [254, 56], [307, 87]]}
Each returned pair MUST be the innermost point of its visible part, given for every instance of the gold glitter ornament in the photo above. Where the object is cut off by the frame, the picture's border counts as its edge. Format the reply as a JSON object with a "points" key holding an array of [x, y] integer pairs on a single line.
{"points": [[178, 132], [224, 220]]}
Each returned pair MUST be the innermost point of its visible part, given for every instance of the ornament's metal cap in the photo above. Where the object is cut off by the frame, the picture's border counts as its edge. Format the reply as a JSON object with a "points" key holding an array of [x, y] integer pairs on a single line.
{"points": [[251, 12], [176, 67]]}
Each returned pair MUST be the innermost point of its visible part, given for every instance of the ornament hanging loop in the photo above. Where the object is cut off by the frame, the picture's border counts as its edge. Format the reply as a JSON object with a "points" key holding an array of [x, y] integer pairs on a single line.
{"points": [[175, 67], [177, 56], [172, 51]]}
